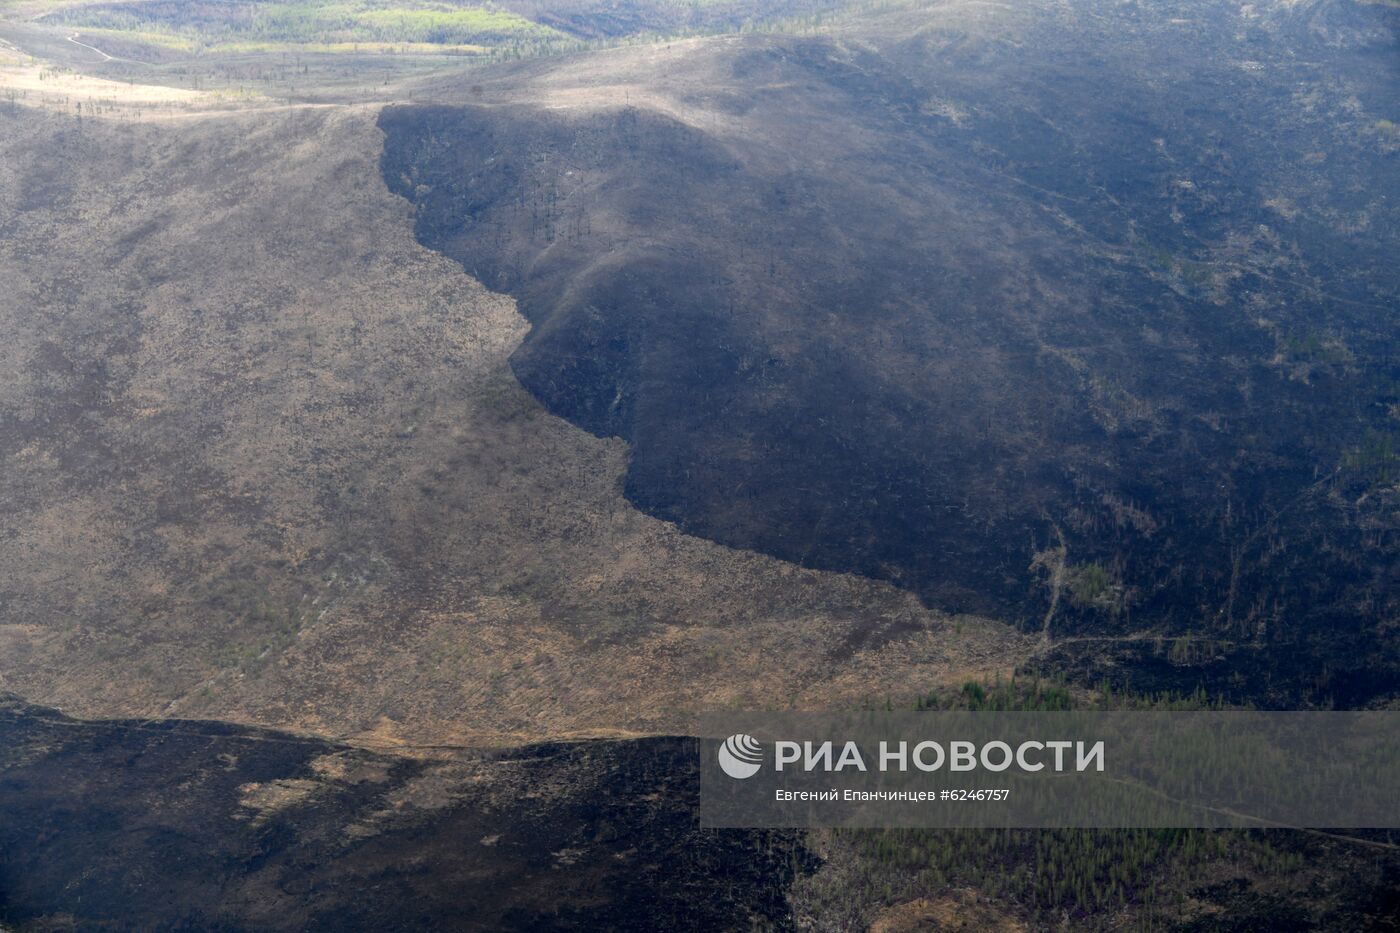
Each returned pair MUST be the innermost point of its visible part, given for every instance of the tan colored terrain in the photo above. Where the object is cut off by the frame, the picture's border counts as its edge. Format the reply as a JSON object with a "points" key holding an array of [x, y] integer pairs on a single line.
{"points": [[265, 461], [33, 82], [963, 910]]}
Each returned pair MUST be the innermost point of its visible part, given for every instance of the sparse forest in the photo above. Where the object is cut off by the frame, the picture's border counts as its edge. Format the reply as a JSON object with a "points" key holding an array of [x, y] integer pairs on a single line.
{"points": [[1146, 879]]}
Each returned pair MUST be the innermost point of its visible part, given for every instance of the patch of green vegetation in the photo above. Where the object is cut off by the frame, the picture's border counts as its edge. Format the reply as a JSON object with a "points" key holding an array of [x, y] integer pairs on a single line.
{"points": [[243, 24], [447, 27], [1021, 694], [1312, 347], [1196, 273], [1057, 874], [1068, 878], [150, 37], [1376, 460], [1012, 696], [1090, 585], [1190, 271], [1191, 650], [338, 48], [414, 27]]}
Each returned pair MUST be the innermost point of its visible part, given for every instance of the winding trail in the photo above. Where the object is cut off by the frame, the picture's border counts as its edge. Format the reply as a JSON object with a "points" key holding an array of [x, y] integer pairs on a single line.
{"points": [[105, 57]]}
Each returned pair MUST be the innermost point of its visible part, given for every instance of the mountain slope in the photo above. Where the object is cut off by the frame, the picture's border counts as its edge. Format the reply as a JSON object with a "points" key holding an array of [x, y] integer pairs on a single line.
{"points": [[1075, 314], [264, 460]]}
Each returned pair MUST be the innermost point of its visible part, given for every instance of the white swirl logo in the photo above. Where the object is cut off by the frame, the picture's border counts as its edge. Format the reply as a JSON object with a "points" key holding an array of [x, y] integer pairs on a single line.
{"points": [[740, 756]]}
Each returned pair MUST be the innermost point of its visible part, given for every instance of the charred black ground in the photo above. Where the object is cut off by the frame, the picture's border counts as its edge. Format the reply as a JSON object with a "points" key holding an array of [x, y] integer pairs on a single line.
{"points": [[1034, 319], [182, 825]]}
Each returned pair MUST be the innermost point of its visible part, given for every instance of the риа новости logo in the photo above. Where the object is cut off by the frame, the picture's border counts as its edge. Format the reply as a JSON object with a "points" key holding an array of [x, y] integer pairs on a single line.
{"points": [[740, 756]]}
